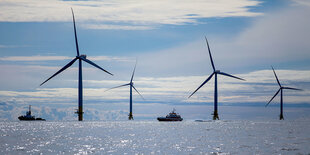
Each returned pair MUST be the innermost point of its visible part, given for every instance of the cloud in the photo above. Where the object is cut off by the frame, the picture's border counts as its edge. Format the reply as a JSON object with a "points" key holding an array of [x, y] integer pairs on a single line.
{"points": [[110, 58], [3, 46], [276, 39], [279, 38], [13, 46], [58, 100], [116, 27], [10, 110], [302, 2], [259, 87], [54, 58], [128, 15], [34, 58]]}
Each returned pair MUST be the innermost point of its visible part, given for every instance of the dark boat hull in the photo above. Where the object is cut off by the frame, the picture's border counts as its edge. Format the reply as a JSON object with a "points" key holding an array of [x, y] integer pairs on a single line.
{"points": [[21, 118], [169, 119]]}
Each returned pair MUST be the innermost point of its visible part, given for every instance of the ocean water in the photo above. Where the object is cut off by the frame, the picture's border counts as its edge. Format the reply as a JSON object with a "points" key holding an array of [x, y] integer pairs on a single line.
{"points": [[152, 137]]}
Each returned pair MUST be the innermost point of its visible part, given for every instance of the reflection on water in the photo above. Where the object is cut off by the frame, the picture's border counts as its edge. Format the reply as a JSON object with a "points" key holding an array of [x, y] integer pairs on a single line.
{"points": [[151, 137]]}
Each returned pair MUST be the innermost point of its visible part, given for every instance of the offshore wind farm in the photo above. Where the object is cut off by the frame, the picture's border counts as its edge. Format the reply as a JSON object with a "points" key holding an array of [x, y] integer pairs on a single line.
{"points": [[176, 44]]}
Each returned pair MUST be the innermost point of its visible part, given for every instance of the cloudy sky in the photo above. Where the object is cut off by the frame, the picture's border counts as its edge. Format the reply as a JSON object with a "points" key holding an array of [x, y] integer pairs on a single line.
{"points": [[167, 39]]}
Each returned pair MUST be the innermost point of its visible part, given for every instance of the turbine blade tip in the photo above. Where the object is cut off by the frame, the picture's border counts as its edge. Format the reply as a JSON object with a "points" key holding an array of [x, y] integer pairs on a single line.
{"points": [[42, 83]]}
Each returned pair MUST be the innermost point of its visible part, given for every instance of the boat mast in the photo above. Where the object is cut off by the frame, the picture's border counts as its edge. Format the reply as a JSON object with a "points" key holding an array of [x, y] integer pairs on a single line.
{"points": [[29, 110]]}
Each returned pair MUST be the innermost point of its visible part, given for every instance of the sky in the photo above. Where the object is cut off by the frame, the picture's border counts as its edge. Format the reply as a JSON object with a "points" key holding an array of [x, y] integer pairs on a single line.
{"points": [[167, 39]]}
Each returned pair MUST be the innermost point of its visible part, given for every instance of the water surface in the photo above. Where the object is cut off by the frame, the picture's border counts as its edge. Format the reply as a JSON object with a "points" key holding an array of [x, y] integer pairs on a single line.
{"points": [[152, 137]]}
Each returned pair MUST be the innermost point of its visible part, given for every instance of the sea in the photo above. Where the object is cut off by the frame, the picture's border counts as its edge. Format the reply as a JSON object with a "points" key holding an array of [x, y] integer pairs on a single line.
{"points": [[153, 137]]}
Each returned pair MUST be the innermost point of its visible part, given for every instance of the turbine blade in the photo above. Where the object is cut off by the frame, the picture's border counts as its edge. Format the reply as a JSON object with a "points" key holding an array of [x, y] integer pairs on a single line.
{"points": [[95, 65], [62, 69], [138, 92], [222, 73], [76, 41], [276, 76], [133, 73], [210, 54], [118, 86], [273, 97], [291, 88], [202, 84]]}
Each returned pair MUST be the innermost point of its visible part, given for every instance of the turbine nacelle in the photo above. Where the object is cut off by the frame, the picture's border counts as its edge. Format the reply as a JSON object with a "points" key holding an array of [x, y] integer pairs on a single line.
{"points": [[217, 71], [83, 56]]}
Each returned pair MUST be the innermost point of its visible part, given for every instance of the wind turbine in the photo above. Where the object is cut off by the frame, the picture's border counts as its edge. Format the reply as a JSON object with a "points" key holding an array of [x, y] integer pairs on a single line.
{"points": [[81, 58], [281, 98], [130, 116], [215, 72]]}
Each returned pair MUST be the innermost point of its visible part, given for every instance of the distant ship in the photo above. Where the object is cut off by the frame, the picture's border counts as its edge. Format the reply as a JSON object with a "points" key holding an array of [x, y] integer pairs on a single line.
{"points": [[171, 117], [29, 117]]}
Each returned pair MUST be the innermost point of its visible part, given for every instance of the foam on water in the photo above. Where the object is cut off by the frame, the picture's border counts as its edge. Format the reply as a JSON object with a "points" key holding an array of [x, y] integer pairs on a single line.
{"points": [[151, 137]]}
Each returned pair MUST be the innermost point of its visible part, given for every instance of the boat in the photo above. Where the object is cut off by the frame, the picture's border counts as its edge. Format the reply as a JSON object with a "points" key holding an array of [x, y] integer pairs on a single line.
{"points": [[29, 117], [173, 116]]}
